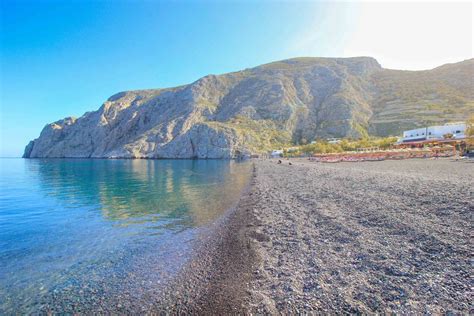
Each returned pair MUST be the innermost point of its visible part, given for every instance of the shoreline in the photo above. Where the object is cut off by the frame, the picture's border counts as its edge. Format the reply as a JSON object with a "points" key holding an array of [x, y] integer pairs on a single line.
{"points": [[216, 279], [367, 237]]}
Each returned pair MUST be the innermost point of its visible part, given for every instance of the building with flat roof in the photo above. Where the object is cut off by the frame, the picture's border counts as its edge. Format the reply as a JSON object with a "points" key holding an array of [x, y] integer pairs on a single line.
{"points": [[333, 140], [457, 130]]}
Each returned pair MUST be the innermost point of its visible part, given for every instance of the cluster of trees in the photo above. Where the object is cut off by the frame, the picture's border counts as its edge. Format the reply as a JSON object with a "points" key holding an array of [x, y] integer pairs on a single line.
{"points": [[323, 147]]}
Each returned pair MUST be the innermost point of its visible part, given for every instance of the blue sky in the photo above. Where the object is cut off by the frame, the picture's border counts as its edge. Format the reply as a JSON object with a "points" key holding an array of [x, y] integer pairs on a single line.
{"points": [[63, 58]]}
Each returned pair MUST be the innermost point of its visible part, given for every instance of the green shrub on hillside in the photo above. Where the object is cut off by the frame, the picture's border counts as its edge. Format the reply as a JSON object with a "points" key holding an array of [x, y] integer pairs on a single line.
{"points": [[260, 135], [322, 147]]}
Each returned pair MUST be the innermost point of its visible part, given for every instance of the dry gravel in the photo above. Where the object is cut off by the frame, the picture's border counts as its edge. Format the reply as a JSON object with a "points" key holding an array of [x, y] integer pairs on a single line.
{"points": [[391, 236], [374, 237]]}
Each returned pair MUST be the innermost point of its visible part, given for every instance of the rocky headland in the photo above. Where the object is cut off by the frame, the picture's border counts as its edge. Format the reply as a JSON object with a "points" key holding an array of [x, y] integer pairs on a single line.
{"points": [[262, 108]]}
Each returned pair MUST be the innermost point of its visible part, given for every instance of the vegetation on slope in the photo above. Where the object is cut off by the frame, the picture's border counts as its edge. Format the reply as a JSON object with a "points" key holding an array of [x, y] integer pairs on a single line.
{"points": [[410, 99], [323, 147], [259, 135]]}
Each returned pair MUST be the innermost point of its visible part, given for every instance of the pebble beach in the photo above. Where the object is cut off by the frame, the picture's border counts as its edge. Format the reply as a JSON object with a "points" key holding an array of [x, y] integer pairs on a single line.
{"points": [[368, 237]]}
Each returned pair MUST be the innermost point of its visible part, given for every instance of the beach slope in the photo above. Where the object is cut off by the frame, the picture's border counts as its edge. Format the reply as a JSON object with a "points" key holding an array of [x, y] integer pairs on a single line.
{"points": [[390, 236]]}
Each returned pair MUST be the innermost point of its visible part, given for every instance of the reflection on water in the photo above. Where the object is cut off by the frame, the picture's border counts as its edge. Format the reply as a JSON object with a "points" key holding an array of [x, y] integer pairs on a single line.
{"points": [[65, 224]]}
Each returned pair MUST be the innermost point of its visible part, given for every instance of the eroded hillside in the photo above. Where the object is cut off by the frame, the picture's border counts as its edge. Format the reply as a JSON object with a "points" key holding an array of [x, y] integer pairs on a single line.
{"points": [[257, 109]]}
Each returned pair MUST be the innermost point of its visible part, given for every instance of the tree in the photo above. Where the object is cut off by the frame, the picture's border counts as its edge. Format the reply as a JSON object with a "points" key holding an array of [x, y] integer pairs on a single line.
{"points": [[470, 132], [470, 126]]}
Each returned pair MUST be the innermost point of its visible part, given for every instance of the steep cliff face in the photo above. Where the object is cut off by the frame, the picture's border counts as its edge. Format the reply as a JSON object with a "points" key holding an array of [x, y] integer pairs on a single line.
{"points": [[256, 109]]}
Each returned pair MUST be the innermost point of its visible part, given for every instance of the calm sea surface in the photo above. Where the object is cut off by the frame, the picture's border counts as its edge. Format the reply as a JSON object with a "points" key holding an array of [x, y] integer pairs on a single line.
{"points": [[77, 235]]}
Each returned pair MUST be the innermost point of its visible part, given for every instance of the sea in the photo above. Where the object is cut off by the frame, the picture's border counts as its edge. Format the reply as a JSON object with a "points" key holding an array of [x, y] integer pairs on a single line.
{"points": [[78, 235]]}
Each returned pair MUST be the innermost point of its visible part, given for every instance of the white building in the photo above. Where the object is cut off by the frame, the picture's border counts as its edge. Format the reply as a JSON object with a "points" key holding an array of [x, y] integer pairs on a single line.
{"points": [[458, 130], [333, 140], [276, 153]]}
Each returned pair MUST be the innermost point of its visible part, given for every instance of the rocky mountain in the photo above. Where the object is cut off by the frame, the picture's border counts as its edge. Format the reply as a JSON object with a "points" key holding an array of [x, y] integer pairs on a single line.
{"points": [[265, 107]]}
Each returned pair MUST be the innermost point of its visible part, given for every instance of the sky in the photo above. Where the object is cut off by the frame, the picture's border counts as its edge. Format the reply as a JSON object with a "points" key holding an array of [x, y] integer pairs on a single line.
{"points": [[64, 58]]}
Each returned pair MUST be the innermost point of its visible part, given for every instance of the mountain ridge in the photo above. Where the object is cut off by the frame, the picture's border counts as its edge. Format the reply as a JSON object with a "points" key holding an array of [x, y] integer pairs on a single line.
{"points": [[256, 109]]}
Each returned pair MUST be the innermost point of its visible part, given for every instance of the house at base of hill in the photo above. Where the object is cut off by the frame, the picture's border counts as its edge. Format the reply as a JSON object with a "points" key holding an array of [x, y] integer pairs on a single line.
{"points": [[276, 153], [333, 140], [456, 130]]}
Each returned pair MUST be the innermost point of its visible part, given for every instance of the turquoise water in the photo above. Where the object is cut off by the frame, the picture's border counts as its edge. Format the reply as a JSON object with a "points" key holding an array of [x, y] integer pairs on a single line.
{"points": [[78, 235]]}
